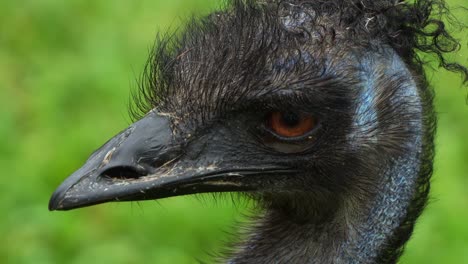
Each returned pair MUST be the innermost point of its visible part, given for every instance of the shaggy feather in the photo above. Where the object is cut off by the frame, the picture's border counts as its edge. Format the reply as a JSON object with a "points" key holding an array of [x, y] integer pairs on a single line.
{"points": [[363, 60], [255, 30]]}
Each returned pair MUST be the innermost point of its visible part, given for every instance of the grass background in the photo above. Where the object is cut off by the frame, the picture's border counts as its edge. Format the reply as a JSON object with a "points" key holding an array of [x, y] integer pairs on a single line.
{"points": [[65, 72]]}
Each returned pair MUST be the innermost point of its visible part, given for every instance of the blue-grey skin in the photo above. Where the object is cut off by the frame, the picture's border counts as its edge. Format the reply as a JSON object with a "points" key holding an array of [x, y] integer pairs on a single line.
{"points": [[397, 190]]}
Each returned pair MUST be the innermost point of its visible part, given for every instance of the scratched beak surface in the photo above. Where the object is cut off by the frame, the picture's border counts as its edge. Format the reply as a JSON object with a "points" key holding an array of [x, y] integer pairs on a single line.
{"points": [[144, 162]]}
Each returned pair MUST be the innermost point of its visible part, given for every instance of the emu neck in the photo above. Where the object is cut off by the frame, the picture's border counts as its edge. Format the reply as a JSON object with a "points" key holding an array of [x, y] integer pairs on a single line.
{"points": [[278, 238]]}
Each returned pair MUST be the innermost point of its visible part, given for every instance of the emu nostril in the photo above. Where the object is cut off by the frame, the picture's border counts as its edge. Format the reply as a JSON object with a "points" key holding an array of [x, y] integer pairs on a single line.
{"points": [[124, 172]]}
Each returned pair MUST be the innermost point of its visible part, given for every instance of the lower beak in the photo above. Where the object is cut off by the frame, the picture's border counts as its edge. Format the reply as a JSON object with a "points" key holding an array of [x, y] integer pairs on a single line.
{"points": [[144, 162]]}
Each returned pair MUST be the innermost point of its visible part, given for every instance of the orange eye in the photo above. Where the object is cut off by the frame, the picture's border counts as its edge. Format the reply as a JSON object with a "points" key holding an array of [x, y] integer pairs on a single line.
{"points": [[290, 124]]}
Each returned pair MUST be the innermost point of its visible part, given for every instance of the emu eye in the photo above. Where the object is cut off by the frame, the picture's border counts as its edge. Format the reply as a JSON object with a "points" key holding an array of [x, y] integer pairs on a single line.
{"points": [[290, 125]]}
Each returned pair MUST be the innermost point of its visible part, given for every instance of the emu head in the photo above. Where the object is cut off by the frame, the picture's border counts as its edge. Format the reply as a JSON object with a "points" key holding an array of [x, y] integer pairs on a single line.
{"points": [[285, 101]]}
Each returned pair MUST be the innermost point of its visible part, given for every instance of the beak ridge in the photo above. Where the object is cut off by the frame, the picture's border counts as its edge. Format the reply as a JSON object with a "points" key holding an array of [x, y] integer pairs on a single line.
{"points": [[119, 161]]}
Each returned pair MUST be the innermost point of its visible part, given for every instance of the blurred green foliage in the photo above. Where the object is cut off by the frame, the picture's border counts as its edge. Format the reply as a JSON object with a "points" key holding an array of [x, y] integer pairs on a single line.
{"points": [[65, 72]]}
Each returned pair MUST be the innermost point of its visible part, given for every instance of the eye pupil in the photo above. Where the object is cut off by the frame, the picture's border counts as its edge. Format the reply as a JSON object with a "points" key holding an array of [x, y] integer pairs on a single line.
{"points": [[290, 119]]}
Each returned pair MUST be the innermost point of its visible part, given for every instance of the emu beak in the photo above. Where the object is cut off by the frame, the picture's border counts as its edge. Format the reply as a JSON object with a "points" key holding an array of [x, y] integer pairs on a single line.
{"points": [[143, 162]]}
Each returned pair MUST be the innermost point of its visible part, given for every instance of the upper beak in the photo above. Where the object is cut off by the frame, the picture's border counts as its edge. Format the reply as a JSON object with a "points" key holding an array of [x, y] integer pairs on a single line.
{"points": [[140, 163]]}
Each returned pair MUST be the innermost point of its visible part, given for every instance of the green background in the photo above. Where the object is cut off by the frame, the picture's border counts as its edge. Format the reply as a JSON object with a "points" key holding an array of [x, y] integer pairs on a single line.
{"points": [[66, 69]]}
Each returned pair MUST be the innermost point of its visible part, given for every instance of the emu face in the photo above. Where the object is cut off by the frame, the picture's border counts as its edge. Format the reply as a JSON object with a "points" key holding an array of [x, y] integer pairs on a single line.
{"points": [[279, 102]]}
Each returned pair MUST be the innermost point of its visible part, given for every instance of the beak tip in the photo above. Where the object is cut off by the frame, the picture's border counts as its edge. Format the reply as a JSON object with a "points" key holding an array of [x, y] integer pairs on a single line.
{"points": [[54, 202], [58, 200]]}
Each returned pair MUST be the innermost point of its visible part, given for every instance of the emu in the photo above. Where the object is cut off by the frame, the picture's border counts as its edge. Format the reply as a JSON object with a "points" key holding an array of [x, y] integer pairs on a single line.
{"points": [[319, 111]]}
